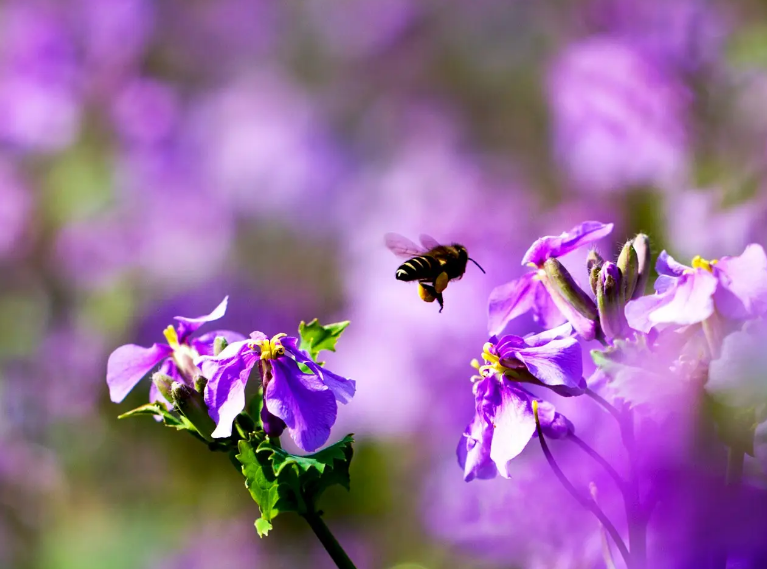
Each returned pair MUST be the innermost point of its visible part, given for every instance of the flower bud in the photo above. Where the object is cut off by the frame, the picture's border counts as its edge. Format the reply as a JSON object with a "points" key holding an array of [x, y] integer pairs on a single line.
{"points": [[163, 382], [219, 345], [594, 263], [610, 301], [641, 245], [191, 405], [571, 300], [628, 263], [273, 425], [199, 383]]}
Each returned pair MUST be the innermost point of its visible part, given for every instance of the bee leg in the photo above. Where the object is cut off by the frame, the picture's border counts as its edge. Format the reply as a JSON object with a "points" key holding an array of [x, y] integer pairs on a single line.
{"points": [[440, 301], [427, 292], [440, 283]]}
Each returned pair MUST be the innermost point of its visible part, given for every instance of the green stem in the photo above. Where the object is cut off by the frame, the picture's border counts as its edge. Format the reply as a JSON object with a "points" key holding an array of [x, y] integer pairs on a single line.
{"points": [[328, 541]]}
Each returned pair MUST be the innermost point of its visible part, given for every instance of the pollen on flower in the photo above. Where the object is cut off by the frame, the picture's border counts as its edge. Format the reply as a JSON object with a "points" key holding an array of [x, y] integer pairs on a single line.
{"points": [[700, 263], [171, 336], [271, 349]]}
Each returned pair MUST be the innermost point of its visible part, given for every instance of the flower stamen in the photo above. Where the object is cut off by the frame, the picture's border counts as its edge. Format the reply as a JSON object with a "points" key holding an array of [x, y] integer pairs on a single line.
{"points": [[271, 349], [171, 336]]}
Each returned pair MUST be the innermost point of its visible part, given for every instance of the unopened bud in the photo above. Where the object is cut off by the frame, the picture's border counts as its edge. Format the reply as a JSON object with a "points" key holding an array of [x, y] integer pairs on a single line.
{"points": [[594, 263], [571, 300], [273, 425], [163, 383], [641, 245], [610, 301], [191, 405], [628, 263], [199, 384], [219, 345]]}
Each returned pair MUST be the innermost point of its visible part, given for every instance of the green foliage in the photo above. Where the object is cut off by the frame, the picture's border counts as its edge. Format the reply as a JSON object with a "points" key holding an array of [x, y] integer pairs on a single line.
{"points": [[315, 337], [282, 482], [169, 419]]}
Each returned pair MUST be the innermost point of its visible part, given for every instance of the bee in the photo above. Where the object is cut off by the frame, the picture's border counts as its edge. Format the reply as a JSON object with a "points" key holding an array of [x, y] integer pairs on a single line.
{"points": [[432, 265]]}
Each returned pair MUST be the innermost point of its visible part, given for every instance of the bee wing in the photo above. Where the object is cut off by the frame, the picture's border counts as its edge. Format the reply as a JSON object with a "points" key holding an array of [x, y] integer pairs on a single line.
{"points": [[402, 246], [428, 241]]}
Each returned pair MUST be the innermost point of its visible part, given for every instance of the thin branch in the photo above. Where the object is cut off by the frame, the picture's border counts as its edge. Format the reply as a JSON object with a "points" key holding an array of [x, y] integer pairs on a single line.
{"points": [[604, 404], [622, 486], [587, 503]]}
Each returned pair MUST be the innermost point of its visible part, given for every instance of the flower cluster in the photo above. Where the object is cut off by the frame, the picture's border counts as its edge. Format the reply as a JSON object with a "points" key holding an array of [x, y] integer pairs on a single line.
{"points": [[298, 394], [698, 338]]}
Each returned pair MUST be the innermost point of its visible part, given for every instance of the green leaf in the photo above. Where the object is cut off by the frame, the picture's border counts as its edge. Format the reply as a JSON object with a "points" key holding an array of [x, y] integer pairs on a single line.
{"points": [[263, 527], [315, 337], [279, 481]]}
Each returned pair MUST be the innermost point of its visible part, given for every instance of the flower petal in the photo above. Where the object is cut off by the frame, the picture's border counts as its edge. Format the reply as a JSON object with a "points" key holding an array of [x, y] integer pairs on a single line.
{"points": [[545, 311], [563, 331], [736, 377], [554, 425], [343, 389], [514, 425], [560, 362], [556, 246], [668, 266], [692, 300], [743, 284], [638, 311], [188, 325], [227, 376], [129, 364], [474, 451], [306, 405], [510, 301]]}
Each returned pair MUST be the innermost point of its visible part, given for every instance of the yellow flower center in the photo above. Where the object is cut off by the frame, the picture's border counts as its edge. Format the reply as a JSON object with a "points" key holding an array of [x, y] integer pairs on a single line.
{"points": [[271, 349], [700, 263], [171, 336]]}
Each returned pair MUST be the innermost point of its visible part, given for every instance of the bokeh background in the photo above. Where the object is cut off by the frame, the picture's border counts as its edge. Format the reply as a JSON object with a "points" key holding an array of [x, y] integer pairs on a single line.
{"points": [[156, 156]]}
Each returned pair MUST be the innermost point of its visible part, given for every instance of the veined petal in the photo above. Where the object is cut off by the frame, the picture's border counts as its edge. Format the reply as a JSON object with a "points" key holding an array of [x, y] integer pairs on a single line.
{"points": [[667, 265], [556, 246], [474, 451], [303, 402], [514, 425], [691, 302], [510, 301], [559, 362], [204, 344], [227, 376], [188, 325], [563, 331], [638, 311], [129, 364], [742, 291], [343, 389], [545, 311], [554, 425]]}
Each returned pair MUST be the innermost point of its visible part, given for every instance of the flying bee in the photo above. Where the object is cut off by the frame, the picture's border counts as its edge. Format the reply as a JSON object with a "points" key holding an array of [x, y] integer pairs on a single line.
{"points": [[432, 265]]}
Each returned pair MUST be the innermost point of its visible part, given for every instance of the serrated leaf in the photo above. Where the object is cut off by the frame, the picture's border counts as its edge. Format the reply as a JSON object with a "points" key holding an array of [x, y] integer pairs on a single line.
{"points": [[282, 482], [273, 494], [315, 337]]}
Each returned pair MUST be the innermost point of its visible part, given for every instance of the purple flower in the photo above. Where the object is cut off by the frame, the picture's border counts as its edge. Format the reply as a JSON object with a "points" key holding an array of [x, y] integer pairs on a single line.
{"points": [[130, 363], [304, 403], [533, 290], [504, 420], [735, 287]]}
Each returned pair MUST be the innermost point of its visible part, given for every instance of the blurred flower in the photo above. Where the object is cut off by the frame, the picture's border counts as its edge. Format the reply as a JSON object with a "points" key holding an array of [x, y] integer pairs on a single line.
{"points": [[145, 111], [618, 121], [535, 291], [304, 403], [352, 29], [39, 99], [735, 286], [684, 35], [128, 364], [266, 149]]}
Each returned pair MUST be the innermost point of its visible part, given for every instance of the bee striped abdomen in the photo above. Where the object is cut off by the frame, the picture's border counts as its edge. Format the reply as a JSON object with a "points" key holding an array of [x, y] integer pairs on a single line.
{"points": [[418, 268]]}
